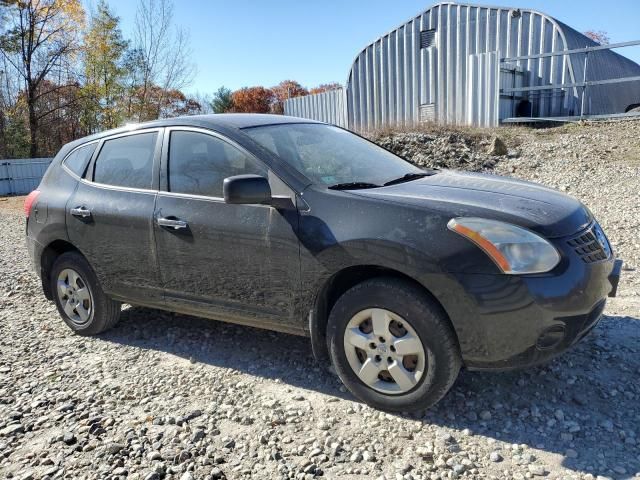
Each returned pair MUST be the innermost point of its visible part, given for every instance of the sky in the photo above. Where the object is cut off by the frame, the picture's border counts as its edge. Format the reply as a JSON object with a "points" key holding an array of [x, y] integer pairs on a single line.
{"points": [[238, 43]]}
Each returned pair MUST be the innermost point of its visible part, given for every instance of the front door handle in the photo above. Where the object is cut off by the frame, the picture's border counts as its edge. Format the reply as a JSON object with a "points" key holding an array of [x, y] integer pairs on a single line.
{"points": [[81, 212], [172, 223]]}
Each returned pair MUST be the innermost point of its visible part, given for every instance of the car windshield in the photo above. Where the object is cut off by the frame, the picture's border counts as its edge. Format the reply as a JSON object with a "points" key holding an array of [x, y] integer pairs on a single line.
{"points": [[332, 156]]}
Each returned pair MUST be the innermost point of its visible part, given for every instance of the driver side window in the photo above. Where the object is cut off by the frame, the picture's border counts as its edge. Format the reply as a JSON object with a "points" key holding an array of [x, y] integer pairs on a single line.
{"points": [[198, 163]]}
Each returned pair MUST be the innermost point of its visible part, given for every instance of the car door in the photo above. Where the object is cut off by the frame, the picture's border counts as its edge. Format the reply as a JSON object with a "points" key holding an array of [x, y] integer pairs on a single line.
{"points": [[232, 262], [110, 216]]}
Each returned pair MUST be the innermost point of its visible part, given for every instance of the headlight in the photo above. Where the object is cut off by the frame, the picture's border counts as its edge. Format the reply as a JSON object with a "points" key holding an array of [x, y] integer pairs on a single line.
{"points": [[514, 250]]}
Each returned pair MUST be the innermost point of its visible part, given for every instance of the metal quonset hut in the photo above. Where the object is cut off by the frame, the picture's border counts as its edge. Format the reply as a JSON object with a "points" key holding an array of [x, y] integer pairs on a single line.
{"points": [[462, 64]]}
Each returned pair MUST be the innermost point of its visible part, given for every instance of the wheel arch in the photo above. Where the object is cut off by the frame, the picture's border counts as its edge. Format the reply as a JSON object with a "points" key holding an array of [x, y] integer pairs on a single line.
{"points": [[631, 106], [338, 284], [49, 255]]}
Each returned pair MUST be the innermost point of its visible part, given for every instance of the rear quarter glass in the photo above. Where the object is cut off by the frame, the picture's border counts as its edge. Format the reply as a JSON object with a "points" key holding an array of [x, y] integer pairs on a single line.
{"points": [[78, 159]]}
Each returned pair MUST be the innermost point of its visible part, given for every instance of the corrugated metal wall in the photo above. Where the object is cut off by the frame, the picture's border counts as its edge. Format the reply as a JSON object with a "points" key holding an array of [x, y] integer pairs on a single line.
{"points": [[429, 69], [483, 99], [393, 77], [21, 176], [329, 107]]}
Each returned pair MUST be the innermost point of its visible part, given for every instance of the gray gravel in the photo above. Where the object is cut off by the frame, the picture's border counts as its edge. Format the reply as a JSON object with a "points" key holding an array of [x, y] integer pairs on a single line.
{"points": [[175, 397]]}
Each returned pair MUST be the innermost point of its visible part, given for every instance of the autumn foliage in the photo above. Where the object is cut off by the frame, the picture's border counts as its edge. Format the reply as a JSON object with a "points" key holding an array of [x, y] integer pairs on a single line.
{"points": [[325, 87], [264, 100], [285, 90], [598, 36], [252, 100], [65, 74]]}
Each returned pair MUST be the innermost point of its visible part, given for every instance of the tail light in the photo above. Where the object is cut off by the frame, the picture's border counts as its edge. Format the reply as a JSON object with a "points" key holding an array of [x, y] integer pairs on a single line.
{"points": [[29, 201]]}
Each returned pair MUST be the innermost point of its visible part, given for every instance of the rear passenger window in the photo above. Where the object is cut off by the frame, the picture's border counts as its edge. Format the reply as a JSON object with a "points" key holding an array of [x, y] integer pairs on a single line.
{"points": [[198, 163], [79, 158], [126, 161]]}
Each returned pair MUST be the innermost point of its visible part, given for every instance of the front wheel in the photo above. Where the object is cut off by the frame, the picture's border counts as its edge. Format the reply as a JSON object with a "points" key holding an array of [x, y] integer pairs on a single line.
{"points": [[84, 307], [392, 345]]}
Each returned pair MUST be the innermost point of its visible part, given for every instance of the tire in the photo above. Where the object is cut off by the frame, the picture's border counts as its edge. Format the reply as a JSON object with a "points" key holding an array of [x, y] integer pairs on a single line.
{"points": [[411, 316], [95, 312]]}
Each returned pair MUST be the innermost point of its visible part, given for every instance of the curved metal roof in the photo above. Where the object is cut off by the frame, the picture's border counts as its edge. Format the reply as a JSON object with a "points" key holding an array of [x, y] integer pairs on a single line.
{"points": [[558, 24], [394, 76]]}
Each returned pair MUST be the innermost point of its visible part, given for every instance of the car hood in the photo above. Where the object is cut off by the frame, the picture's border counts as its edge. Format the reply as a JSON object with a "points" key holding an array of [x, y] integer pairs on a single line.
{"points": [[541, 209]]}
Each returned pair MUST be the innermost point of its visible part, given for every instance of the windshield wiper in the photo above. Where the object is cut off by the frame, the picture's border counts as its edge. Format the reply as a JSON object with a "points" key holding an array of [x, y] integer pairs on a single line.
{"points": [[353, 186], [408, 177]]}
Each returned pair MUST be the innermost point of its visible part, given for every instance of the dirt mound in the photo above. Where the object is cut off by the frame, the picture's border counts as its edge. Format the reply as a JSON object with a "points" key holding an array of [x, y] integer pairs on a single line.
{"points": [[441, 148]]}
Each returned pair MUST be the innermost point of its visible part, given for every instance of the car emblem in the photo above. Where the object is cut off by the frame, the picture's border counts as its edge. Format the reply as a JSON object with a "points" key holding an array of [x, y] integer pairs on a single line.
{"points": [[382, 348], [602, 240]]}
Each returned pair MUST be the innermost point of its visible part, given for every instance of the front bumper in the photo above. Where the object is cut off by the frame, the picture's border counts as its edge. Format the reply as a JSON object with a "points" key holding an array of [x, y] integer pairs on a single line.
{"points": [[506, 322]]}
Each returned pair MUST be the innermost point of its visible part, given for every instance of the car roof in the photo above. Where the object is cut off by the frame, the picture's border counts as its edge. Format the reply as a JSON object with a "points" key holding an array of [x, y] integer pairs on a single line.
{"points": [[241, 120], [222, 122]]}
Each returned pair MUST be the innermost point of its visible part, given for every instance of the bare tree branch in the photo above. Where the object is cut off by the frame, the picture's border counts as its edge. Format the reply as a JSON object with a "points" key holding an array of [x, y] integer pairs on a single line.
{"points": [[164, 51]]}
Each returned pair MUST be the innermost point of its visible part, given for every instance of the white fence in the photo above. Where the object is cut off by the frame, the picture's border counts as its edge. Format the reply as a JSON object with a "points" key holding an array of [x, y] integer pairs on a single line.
{"points": [[20, 176]]}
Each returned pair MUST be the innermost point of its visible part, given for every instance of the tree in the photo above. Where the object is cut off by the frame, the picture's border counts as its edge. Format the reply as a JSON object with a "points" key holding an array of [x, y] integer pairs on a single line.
{"points": [[104, 49], [56, 85], [174, 103], [252, 100], [133, 65], [177, 103], [222, 101], [325, 87], [599, 36], [203, 100], [40, 40], [14, 133], [162, 53], [63, 123], [283, 91]]}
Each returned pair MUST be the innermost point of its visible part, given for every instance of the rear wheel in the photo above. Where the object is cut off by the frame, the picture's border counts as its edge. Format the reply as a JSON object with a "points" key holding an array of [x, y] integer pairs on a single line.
{"points": [[392, 345], [84, 307]]}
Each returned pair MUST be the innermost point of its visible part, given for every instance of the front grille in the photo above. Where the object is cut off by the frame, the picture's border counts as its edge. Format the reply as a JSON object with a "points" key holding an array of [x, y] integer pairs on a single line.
{"points": [[591, 245]]}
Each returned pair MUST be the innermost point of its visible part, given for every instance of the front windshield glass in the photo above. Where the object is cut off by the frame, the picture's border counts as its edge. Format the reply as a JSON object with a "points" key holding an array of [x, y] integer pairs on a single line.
{"points": [[331, 156]]}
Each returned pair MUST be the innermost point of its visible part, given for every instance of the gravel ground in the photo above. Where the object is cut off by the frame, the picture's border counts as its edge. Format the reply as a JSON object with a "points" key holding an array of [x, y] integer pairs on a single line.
{"points": [[175, 397]]}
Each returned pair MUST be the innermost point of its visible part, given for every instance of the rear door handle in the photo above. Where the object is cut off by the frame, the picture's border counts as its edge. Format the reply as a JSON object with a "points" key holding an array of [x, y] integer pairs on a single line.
{"points": [[81, 212], [172, 223]]}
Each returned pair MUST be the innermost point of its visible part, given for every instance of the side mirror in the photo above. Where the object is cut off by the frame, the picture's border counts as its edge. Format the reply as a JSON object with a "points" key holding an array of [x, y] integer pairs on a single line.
{"points": [[246, 189]]}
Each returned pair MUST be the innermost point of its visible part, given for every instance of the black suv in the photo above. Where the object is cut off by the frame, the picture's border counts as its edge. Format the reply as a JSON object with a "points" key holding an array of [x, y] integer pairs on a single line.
{"points": [[399, 275]]}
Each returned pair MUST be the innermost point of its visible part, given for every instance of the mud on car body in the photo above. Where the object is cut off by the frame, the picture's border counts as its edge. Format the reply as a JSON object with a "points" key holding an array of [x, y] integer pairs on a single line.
{"points": [[400, 275]]}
